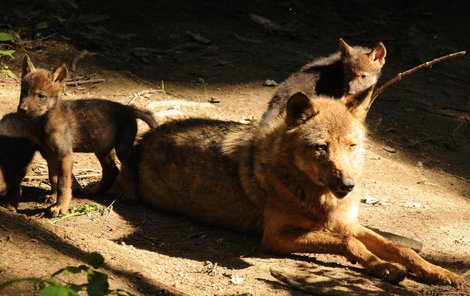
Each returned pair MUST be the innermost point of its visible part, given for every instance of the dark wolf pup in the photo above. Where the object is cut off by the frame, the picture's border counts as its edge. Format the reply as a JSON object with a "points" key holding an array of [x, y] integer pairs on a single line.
{"points": [[62, 127], [292, 181], [16, 152], [351, 70]]}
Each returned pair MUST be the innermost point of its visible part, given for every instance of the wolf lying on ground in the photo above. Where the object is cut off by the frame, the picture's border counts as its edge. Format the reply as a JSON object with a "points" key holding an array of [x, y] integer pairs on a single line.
{"points": [[351, 70], [292, 181], [88, 125]]}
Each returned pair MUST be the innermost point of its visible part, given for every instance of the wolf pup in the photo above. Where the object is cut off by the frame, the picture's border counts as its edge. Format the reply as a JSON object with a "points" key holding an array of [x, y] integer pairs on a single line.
{"points": [[292, 181], [62, 127], [16, 153], [349, 71]]}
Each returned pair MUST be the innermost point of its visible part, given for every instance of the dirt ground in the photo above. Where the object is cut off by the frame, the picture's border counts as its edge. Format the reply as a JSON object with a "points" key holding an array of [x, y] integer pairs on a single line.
{"points": [[417, 170]]}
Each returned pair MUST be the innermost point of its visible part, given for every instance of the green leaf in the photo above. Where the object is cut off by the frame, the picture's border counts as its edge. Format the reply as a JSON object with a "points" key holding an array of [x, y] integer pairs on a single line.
{"points": [[58, 291], [95, 259], [7, 53], [5, 37], [42, 26], [8, 73]]}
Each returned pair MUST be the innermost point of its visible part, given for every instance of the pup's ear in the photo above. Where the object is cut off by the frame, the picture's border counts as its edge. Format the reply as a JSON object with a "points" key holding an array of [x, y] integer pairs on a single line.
{"points": [[344, 48], [378, 54], [299, 109], [60, 74], [28, 66], [359, 104]]}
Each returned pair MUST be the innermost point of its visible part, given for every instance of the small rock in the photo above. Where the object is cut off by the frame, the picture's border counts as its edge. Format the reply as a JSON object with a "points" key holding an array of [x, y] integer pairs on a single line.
{"points": [[237, 279], [214, 100], [270, 82], [389, 149], [369, 199], [198, 38], [413, 205]]}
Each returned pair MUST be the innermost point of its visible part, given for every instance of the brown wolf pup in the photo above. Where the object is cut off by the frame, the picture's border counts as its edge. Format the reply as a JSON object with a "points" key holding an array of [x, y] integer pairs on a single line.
{"points": [[16, 152], [292, 181], [351, 70], [62, 127]]}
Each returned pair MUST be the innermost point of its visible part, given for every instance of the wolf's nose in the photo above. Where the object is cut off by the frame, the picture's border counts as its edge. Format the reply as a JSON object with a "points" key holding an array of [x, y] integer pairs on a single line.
{"points": [[348, 184]]}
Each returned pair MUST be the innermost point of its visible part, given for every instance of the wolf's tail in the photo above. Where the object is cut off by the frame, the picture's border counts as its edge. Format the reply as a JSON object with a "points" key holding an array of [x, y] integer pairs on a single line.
{"points": [[147, 117]]}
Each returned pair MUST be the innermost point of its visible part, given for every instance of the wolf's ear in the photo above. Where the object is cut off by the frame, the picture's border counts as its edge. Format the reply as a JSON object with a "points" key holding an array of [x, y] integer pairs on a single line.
{"points": [[378, 54], [28, 66], [60, 74], [359, 104], [344, 48], [299, 109]]}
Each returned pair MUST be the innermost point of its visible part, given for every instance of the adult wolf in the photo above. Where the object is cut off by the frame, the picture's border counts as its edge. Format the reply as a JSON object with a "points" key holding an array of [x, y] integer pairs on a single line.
{"points": [[292, 181]]}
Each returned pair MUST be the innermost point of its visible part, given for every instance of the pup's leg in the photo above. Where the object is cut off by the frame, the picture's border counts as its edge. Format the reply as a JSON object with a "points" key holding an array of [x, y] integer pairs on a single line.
{"points": [[422, 269], [287, 233], [125, 142], [52, 167], [64, 190], [110, 172]]}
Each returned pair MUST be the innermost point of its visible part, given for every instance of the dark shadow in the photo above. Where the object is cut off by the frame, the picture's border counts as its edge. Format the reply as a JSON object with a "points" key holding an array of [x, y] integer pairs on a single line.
{"points": [[18, 224]]}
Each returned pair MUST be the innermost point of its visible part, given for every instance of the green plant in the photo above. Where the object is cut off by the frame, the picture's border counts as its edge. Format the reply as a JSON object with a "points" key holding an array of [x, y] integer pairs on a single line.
{"points": [[6, 37], [65, 19], [83, 210], [54, 285]]}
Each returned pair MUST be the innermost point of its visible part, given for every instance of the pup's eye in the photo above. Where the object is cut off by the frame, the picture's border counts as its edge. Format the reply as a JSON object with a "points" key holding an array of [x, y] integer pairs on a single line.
{"points": [[352, 146], [42, 96], [363, 76]]}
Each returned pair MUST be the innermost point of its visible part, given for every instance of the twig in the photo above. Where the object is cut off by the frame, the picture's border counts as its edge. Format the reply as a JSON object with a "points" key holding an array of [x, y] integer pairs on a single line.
{"points": [[399, 76], [80, 82], [201, 233], [139, 94], [109, 208]]}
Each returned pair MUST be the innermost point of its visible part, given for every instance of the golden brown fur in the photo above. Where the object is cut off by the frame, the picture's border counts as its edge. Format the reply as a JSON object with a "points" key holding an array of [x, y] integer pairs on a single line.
{"points": [[291, 181]]}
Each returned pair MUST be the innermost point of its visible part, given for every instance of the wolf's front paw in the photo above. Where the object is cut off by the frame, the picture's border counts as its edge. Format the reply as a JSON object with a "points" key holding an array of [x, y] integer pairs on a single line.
{"points": [[57, 209], [440, 276], [391, 272]]}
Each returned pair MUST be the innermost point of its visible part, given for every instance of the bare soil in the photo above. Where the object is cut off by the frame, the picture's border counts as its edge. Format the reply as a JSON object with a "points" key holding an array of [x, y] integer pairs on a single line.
{"points": [[417, 168]]}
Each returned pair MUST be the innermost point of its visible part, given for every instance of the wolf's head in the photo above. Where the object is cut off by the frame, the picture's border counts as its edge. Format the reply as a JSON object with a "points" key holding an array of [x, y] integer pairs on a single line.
{"points": [[326, 138], [40, 89], [362, 66]]}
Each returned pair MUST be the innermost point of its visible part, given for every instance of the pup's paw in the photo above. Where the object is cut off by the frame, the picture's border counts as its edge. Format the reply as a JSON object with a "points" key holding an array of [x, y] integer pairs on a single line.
{"points": [[391, 272], [57, 209]]}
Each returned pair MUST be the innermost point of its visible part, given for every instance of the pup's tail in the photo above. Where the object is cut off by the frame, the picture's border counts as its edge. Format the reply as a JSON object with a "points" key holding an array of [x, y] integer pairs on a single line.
{"points": [[147, 117]]}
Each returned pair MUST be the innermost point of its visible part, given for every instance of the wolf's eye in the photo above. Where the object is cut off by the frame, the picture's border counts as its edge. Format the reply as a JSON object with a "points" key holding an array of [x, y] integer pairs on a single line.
{"points": [[352, 146], [321, 148], [42, 96]]}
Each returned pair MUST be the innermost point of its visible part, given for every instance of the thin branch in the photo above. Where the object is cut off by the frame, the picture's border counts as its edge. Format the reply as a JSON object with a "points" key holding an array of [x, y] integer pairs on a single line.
{"points": [[80, 82], [399, 76]]}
